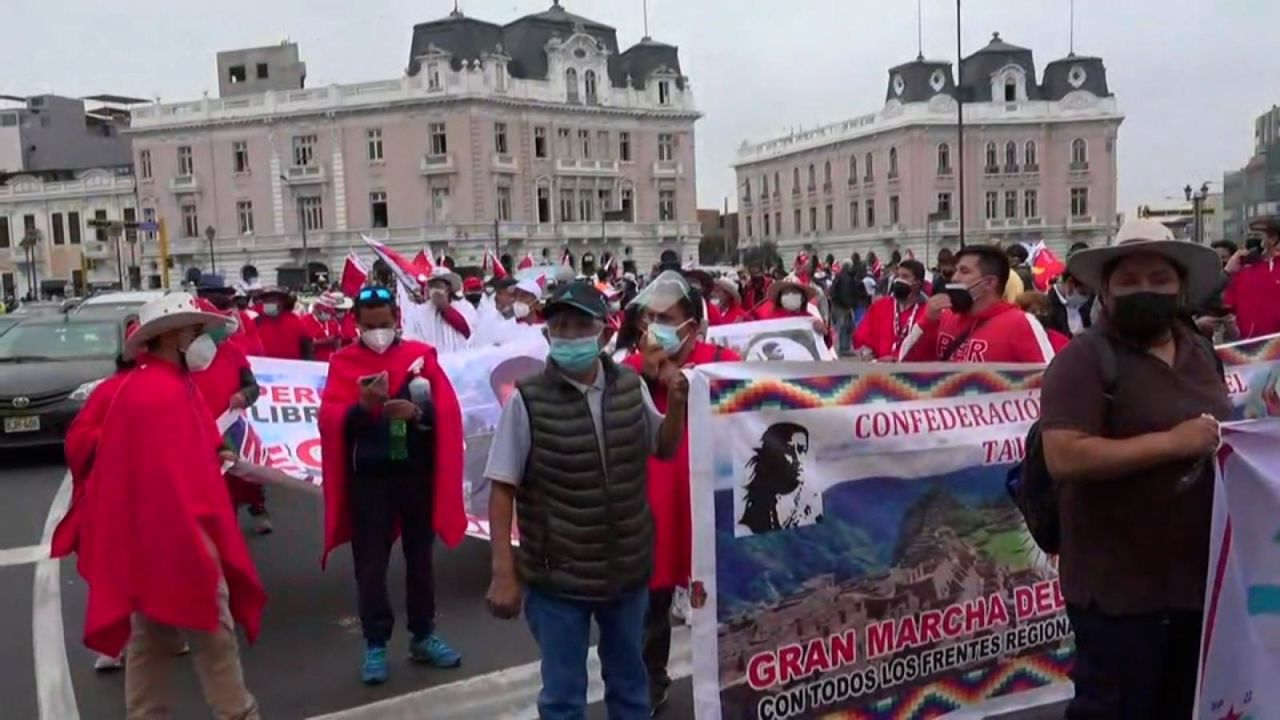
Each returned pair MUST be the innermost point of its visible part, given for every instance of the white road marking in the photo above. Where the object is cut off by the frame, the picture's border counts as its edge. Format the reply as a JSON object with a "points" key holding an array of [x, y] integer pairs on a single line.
{"points": [[53, 676], [23, 555], [509, 694]]}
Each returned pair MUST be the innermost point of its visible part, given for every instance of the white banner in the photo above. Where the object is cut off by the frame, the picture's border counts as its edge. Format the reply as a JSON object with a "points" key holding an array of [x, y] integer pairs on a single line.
{"points": [[773, 340]]}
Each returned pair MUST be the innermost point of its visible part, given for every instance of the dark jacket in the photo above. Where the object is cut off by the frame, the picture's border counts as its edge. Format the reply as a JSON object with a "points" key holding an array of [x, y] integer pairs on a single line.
{"points": [[847, 291], [1058, 310], [369, 437], [586, 532], [1028, 278]]}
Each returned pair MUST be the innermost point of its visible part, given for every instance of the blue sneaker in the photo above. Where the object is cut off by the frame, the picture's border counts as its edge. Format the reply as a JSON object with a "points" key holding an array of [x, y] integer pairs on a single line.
{"points": [[432, 650], [374, 670]]}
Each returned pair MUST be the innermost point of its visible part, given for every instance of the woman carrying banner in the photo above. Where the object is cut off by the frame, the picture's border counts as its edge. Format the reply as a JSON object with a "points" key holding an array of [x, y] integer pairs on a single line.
{"points": [[726, 298], [670, 315], [791, 298]]}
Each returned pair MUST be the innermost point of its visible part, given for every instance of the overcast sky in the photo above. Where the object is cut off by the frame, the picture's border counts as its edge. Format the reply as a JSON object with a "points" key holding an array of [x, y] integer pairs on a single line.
{"points": [[1190, 76]]}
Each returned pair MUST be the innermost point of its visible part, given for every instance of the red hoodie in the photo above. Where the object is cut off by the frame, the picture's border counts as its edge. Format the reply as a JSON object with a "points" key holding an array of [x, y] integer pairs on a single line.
{"points": [[885, 327], [1254, 293], [1002, 333], [669, 497]]}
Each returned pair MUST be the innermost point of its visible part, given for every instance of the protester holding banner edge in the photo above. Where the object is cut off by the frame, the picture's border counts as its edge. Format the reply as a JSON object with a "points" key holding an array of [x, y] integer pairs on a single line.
{"points": [[1132, 464]]}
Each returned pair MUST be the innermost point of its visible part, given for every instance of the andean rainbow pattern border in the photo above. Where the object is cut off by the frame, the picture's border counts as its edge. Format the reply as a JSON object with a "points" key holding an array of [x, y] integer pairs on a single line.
{"points": [[1265, 349]]}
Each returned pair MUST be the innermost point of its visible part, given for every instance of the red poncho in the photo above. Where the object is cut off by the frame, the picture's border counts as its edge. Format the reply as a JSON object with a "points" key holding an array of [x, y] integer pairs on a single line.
{"points": [[221, 380], [342, 391], [348, 325], [246, 336], [154, 504], [79, 447], [321, 333], [282, 335], [669, 497]]}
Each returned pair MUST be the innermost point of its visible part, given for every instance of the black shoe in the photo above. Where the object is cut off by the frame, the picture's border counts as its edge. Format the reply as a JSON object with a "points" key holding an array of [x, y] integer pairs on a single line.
{"points": [[658, 699]]}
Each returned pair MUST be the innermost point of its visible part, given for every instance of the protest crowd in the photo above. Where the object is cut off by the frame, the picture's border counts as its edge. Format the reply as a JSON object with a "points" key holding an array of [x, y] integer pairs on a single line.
{"points": [[589, 469]]}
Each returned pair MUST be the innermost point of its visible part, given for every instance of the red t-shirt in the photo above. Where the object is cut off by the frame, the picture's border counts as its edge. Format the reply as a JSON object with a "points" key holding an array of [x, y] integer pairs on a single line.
{"points": [[886, 326], [1254, 294], [1002, 333]]}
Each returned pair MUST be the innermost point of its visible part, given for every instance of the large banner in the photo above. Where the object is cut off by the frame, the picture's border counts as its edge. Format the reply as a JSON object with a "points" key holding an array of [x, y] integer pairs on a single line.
{"points": [[281, 433], [856, 551], [772, 340]]}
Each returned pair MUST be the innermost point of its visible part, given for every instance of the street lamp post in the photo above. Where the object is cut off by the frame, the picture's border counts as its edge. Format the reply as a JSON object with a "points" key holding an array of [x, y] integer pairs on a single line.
{"points": [[960, 121], [1197, 198], [30, 239], [114, 233], [210, 234]]}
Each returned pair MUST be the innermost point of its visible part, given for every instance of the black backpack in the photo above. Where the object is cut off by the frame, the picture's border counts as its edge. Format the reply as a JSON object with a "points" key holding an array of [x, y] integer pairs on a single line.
{"points": [[1029, 483]]}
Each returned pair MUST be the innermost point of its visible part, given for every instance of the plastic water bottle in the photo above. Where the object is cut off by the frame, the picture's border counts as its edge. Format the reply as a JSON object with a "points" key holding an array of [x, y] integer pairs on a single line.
{"points": [[399, 440]]}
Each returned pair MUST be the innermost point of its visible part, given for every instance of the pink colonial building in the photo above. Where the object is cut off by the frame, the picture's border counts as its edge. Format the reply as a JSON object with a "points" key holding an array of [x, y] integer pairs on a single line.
{"points": [[1040, 163], [540, 129]]}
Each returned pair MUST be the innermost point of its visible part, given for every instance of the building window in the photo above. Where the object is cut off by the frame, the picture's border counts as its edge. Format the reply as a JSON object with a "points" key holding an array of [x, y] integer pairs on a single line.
{"points": [[749, 233], [378, 209], [540, 142], [944, 159], [1079, 202], [304, 150], [439, 139], [869, 168], [433, 76], [830, 218], [944, 206], [236, 74], [374, 137], [992, 167], [564, 143], [624, 146], [312, 212], [500, 138], [605, 196], [500, 76], [1011, 156], [602, 144], [813, 179], [571, 85], [73, 227], [186, 167], [796, 222], [1030, 158], [589, 81], [586, 205], [746, 190], [893, 163], [1011, 203], [1079, 154], [59, 234], [5, 240], [813, 219], [766, 224], [853, 215], [440, 204], [993, 205], [144, 164], [544, 204], [795, 181], [764, 186], [1010, 90], [240, 156], [263, 71], [777, 184], [130, 215], [504, 203], [664, 92], [666, 147], [149, 216], [1030, 204], [99, 229], [853, 170], [893, 209], [666, 205], [584, 144], [190, 222], [244, 213], [826, 175], [566, 206], [871, 213], [628, 204]]}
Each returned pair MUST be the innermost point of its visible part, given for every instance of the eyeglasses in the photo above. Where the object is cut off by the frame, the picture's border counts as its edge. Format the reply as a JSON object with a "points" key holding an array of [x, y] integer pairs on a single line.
{"points": [[374, 293]]}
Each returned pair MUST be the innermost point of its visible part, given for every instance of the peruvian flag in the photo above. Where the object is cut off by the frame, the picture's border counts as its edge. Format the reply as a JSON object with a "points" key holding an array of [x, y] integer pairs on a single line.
{"points": [[565, 260], [410, 274], [875, 268], [1045, 266], [354, 274], [493, 266], [526, 262], [422, 261]]}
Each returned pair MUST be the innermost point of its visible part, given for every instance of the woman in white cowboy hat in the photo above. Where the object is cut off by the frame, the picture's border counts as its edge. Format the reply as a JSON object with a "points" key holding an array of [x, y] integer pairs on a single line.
{"points": [[791, 297], [159, 545], [323, 326], [726, 297]]}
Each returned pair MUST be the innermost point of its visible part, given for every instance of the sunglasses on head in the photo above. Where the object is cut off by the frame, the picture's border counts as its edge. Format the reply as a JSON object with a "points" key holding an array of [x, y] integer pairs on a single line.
{"points": [[374, 293]]}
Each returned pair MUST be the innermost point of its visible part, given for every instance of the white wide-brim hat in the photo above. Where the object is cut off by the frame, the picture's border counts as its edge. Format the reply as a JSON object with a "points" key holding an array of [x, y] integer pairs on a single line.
{"points": [[449, 276], [172, 311], [730, 287], [791, 282], [1200, 264]]}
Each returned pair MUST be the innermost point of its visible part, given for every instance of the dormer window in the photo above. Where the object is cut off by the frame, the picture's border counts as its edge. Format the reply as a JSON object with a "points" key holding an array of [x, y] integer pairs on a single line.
{"points": [[1009, 84], [589, 81], [500, 76], [1010, 90], [571, 85], [433, 76], [664, 92]]}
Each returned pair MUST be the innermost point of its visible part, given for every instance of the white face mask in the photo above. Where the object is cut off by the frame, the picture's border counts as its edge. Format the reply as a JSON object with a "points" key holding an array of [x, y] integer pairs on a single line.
{"points": [[378, 340], [520, 310], [792, 301], [200, 353]]}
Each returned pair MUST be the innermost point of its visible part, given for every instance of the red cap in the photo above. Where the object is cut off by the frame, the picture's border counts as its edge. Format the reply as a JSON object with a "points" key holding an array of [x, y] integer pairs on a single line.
{"points": [[472, 285]]}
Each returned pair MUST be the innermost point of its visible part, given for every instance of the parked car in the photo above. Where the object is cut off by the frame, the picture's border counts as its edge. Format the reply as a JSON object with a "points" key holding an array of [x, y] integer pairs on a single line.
{"points": [[115, 305], [8, 321], [37, 308], [48, 367]]}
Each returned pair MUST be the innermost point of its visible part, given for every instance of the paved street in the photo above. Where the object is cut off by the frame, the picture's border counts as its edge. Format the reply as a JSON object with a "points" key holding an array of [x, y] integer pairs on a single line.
{"points": [[306, 662]]}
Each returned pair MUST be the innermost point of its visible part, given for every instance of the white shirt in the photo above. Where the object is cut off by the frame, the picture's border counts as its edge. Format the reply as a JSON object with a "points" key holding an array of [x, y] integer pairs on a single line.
{"points": [[422, 322]]}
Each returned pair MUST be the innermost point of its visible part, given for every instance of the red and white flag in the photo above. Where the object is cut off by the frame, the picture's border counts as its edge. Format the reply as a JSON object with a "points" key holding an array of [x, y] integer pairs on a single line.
{"points": [[493, 266], [410, 274], [354, 274], [566, 260], [526, 262], [1046, 266]]}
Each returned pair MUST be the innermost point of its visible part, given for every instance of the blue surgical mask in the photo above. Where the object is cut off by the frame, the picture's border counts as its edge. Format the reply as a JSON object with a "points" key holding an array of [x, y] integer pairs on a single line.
{"points": [[666, 337], [575, 355]]}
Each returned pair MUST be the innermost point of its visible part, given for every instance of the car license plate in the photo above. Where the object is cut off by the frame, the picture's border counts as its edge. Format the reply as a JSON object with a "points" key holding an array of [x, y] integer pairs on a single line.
{"points": [[28, 423]]}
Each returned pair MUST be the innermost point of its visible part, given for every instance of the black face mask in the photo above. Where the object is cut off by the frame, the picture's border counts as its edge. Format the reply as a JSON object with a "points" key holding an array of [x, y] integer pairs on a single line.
{"points": [[961, 298], [222, 302], [901, 290], [474, 299], [1144, 317]]}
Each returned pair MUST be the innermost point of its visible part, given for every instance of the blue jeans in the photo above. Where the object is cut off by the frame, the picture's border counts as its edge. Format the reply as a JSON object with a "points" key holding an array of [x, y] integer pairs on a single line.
{"points": [[562, 629]]}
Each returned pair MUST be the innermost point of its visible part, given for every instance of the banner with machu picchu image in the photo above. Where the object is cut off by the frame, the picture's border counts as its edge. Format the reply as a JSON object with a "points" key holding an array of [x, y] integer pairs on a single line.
{"points": [[856, 554]]}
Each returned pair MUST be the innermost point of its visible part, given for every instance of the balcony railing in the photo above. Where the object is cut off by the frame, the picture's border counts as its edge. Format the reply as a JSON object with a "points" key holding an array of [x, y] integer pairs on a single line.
{"points": [[1080, 166], [305, 173], [96, 250], [668, 167], [184, 184], [436, 164], [505, 163], [1031, 168], [1080, 220], [587, 166]]}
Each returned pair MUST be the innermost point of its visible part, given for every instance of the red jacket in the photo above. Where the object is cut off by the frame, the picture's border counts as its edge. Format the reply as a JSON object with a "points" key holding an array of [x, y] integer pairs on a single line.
{"points": [[1254, 293], [669, 496], [282, 335], [1001, 334], [246, 335], [885, 327]]}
